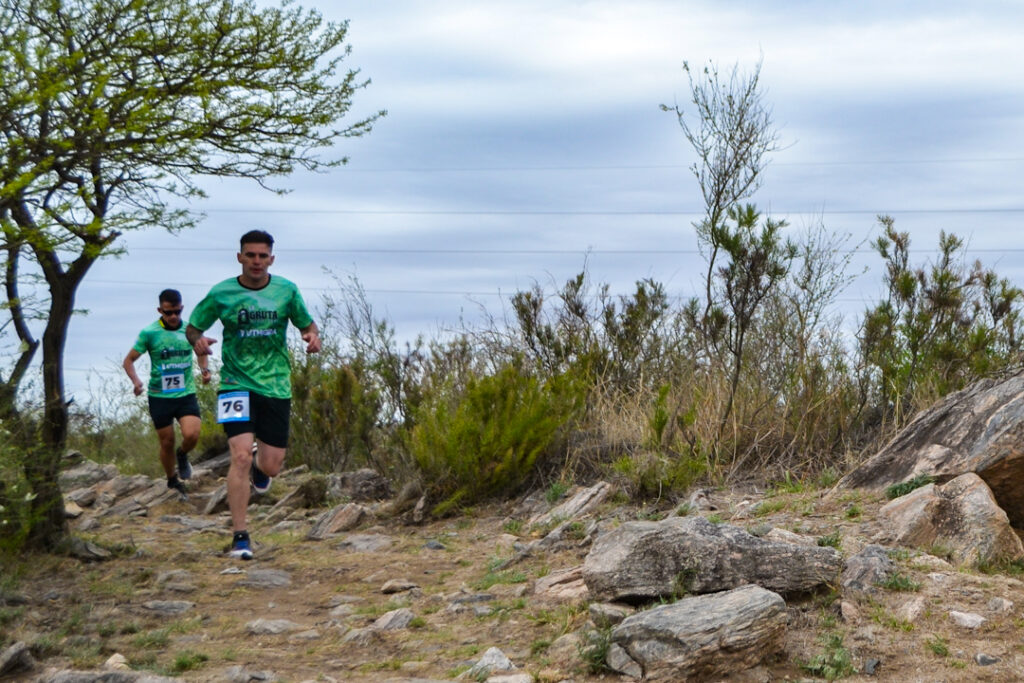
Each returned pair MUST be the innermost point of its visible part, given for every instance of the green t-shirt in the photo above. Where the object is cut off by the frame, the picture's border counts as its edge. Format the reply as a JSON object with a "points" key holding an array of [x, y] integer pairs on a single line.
{"points": [[170, 360], [255, 352]]}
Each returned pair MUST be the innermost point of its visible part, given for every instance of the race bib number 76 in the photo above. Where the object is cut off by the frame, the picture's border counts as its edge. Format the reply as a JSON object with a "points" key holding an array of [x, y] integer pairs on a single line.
{"points": [[233, 406]]}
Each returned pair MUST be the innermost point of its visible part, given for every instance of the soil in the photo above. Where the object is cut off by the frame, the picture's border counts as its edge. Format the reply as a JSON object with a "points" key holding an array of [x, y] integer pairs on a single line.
{"points": [[75, 615]]}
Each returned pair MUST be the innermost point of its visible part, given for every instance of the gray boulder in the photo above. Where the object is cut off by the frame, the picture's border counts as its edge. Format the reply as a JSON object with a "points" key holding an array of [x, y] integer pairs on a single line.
{"points": [[702, 637], [643, 561], [961, 516]]}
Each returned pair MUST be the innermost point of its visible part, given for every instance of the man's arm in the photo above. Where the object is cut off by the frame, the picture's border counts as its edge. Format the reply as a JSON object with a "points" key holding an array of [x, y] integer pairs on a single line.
{"points": [[200, 343], [129, 368], [311, 335], [204, 367]]}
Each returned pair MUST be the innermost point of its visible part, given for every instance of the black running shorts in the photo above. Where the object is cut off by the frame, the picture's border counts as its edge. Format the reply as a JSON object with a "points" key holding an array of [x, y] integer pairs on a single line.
{"points": [[268, 420], [165, 410]]}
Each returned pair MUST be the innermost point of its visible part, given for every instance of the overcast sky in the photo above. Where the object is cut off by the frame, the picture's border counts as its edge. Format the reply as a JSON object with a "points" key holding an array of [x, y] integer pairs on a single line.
{"points": [[524, 140]]}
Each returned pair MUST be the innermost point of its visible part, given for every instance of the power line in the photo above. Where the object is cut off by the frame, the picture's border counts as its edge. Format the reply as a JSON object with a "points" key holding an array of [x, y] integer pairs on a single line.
{"points": [[533, 252], [581, 212], [656, 167]]}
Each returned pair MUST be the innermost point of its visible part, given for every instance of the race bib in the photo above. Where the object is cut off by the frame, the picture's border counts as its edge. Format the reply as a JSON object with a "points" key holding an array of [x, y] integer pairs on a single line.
{"points": [[233, 406], [172, 381]]}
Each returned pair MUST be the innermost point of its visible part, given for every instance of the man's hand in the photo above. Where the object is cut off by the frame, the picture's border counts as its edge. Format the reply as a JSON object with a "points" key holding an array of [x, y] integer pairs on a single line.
{"points": [[137, 388], [205, 375], [312, 339], [202, 345]]}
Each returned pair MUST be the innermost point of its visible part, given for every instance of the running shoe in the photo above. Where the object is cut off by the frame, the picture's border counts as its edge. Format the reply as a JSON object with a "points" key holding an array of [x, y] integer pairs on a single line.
{"points": [[184, 467], [240, 547], [175, 484], [260, 481]]}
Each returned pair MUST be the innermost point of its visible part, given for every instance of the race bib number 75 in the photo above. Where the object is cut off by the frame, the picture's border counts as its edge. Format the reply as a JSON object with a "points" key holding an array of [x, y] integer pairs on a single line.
{"points": [[172, 381], [233, 406]]}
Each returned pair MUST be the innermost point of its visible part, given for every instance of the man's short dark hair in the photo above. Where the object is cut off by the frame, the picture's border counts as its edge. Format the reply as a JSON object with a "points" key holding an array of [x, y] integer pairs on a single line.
{"points": [[170, 296], [256, 237]]}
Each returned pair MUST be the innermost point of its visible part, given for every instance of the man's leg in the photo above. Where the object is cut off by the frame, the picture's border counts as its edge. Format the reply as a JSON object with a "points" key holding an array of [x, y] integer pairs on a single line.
{"points": [[166, 436], [190, 425], [240, 446], [270, 459]]}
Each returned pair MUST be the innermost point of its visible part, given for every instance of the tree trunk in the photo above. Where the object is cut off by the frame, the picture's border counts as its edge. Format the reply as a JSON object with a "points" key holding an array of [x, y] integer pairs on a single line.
{"points": [[48, 524]]}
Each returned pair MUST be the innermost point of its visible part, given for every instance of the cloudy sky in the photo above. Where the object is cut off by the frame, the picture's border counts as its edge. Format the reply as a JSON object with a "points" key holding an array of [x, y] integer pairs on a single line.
{"points": [[524, 141]]}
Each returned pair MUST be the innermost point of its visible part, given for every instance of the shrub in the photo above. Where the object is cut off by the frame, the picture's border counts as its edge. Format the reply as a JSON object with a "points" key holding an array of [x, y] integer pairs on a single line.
{"points": [[485, 440], [333, 415], [834, 662]]}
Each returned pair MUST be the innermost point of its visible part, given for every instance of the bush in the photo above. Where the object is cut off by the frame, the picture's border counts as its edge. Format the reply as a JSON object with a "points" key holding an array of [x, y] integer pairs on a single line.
{"points": [[333, 415], [485, 440]]}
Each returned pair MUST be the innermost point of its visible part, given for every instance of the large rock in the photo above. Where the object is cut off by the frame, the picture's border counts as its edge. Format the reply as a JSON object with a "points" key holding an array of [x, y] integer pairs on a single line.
{"points": [[361, 485], [702, 637], [86, 474], [979, 429], [642, 561], [961, 516], [582, 502], [343, 517]]}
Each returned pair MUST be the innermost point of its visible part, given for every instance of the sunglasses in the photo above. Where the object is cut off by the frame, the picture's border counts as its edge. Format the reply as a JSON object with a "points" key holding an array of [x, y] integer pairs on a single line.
{"points": [[171, 311]]}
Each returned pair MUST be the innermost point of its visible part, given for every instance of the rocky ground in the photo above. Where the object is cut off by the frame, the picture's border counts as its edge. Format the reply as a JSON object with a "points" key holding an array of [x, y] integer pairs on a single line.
{"points": [[391, 601]]}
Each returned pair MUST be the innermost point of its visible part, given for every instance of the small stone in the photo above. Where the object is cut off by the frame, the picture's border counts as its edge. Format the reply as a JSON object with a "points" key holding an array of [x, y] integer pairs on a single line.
{"points": [[263, 627], [434, 545], [116, 662], [619, 660], [16, 658], [397, 586], [967, 619], [870, 666], [1000, 605], [983, 659], [169, 607], [311, 634], [394, 620], [849, 612], [492, 660], [912, 610], [267, 578]]}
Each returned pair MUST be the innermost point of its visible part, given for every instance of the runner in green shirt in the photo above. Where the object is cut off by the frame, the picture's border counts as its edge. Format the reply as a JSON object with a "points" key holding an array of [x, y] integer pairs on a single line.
{"points": [[172, 391], [254, 400]]}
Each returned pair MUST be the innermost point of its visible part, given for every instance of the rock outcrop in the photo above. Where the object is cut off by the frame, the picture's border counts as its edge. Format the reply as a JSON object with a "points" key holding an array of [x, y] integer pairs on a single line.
{"points": [[979, 429], [961, 517]]}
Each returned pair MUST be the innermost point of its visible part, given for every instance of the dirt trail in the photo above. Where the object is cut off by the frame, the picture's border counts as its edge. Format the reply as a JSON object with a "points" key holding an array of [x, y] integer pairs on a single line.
{"points": [[78, 614]]}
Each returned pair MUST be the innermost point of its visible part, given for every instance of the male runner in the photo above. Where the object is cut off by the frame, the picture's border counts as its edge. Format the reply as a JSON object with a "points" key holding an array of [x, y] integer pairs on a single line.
{"points": [[172, 391], [255, 393]]}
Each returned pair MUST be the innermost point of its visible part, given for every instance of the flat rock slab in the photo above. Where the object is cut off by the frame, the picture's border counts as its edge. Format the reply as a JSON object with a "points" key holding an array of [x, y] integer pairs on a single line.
{"points": [[266, 578], [366, 543], [704, 636], [194, 523], [169, 607], [263, 627]]}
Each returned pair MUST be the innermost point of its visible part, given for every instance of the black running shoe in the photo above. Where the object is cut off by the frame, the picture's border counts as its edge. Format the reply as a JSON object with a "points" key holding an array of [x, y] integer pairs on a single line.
{"points": [[184, 467]]}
